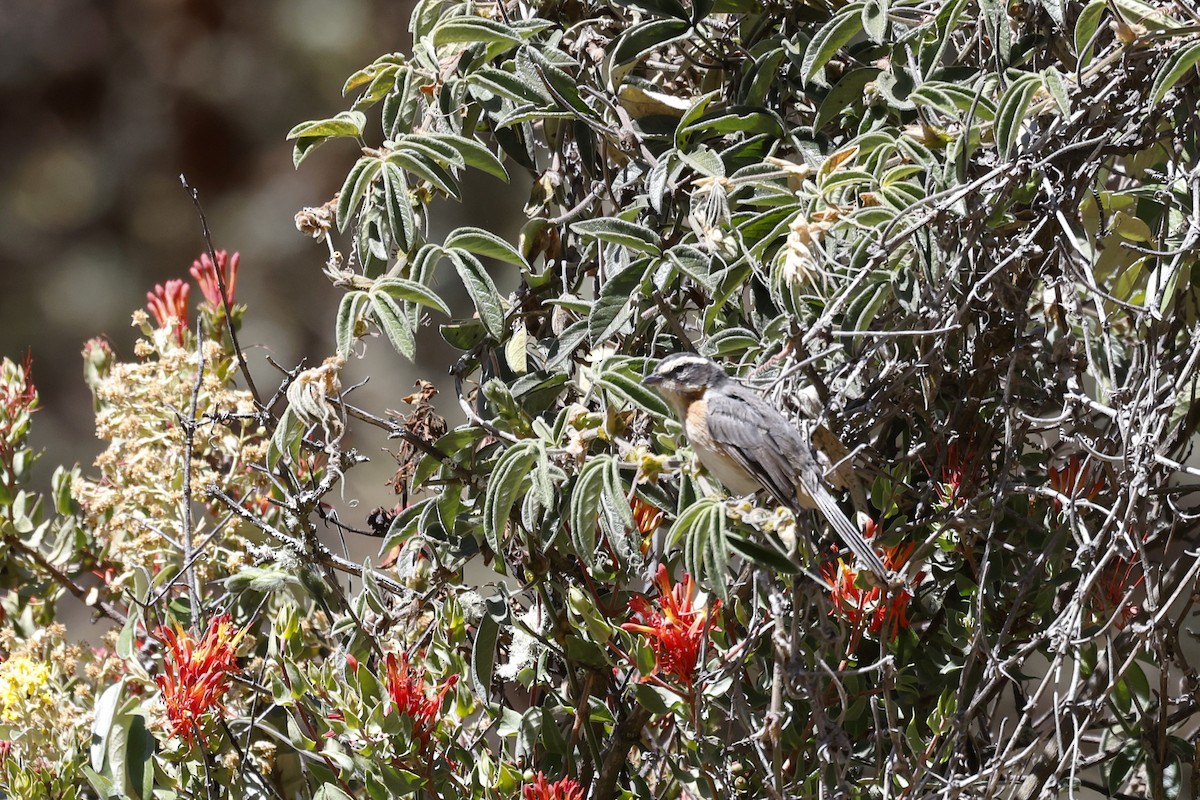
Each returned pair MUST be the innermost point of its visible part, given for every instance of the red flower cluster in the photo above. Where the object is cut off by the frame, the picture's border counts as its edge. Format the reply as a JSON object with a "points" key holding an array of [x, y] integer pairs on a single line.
{"points": [[1074, 481], [648, 517], [676, 628], [1111, 588], [408, 694], [960, 474], [562, 789], [18, 399], [170, 303], [206, 275], [871, 609], [197, 674]]}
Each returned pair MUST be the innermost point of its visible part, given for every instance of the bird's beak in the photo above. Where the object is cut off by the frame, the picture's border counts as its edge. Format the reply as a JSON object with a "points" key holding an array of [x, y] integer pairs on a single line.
{"points": [[652, 379]]}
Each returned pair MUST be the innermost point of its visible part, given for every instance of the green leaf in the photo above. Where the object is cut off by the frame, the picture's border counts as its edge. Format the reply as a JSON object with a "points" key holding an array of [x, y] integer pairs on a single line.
{"points": [[483, 650], [639, 40], [846, 93], [503, 489], [471, 30], [764, 553], [384, 65], [102, 721], [563, 86], [1014, 104], [426, 169], [693, 262], [620, 232], [584, 509], [700, 530], [485, 243], [613, 308], [731, 119], [358, 180], [1086, 27], [394, 323], [413, 292], [632, 389], [482, 289], [831, 37], [432, 149], [617, 522], [1052, 79], [473, 153], [401, 220], [330, 791], [1178, 64], [463, 335], [349, 313], [510, 86], [309, 135], [285, 439], [875, 19]]}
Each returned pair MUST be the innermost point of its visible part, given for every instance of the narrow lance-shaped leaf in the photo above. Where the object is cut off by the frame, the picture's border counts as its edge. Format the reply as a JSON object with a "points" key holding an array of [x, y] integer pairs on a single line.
{"points": [[504, 487], [584, 509], [1172, 70], [483, 650], [617, 522], [474, 154], [394, 324], [620, 232], [482, 289], [355, 188], [413, 292], [401, 219], [1011, 112], [473, 29], [349, 312], [831, 37], [485, 243]]}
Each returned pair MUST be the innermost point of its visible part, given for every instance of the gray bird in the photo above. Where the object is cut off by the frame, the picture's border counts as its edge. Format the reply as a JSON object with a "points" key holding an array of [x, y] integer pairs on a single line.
{"points": [[748, 445]]}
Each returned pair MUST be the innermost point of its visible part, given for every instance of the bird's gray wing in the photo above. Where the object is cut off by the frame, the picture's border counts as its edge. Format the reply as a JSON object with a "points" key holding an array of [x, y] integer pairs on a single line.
{"points": [[766, 444], [757, 436]]}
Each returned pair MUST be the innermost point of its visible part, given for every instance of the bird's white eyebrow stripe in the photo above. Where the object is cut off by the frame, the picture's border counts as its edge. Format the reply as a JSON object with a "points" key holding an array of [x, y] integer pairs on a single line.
{"points": [[679, 361]]}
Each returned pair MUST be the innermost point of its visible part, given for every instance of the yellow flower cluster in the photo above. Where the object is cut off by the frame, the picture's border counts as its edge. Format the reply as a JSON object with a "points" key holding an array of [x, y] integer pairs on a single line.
{"points": [[44, 710], [23, 693], [134, 507]]}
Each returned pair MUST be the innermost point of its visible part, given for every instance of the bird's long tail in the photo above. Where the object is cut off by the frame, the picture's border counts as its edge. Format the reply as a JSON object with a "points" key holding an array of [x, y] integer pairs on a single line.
{"points": [[851, 535]]}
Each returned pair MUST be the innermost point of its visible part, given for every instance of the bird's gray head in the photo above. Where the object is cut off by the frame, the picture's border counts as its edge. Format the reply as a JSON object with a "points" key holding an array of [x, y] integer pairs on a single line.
{"points": [[684, 374]]}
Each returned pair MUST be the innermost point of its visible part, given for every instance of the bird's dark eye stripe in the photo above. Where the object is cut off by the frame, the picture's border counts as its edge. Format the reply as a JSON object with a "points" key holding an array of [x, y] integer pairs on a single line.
{"points": [[684, 367]]}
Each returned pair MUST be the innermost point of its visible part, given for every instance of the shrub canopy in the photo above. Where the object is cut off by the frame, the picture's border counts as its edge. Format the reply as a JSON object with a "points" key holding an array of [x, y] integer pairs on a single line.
{"points": [[953, 240]]}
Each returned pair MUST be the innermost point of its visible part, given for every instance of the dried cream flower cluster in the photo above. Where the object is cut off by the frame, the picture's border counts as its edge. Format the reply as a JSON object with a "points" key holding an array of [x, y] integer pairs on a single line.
{"points": [[134, 508]]}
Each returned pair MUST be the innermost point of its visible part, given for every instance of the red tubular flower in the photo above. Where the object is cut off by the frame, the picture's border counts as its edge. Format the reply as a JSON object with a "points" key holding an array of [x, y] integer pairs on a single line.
{"points": [[205, 273], [563, 789], [408, 694], [648, 517], [871, 607], [960, 474], [170, 303], [1111, 589], [197, 674], [1072, 480], [676, 628]]}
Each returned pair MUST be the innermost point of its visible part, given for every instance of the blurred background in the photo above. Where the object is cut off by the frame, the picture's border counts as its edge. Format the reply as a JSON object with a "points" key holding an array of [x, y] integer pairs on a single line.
{"points": [[106, 103]]}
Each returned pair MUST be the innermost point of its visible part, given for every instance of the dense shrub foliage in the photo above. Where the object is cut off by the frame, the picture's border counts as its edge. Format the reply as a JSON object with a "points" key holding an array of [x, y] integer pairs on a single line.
{"points": [[953, 240]]}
